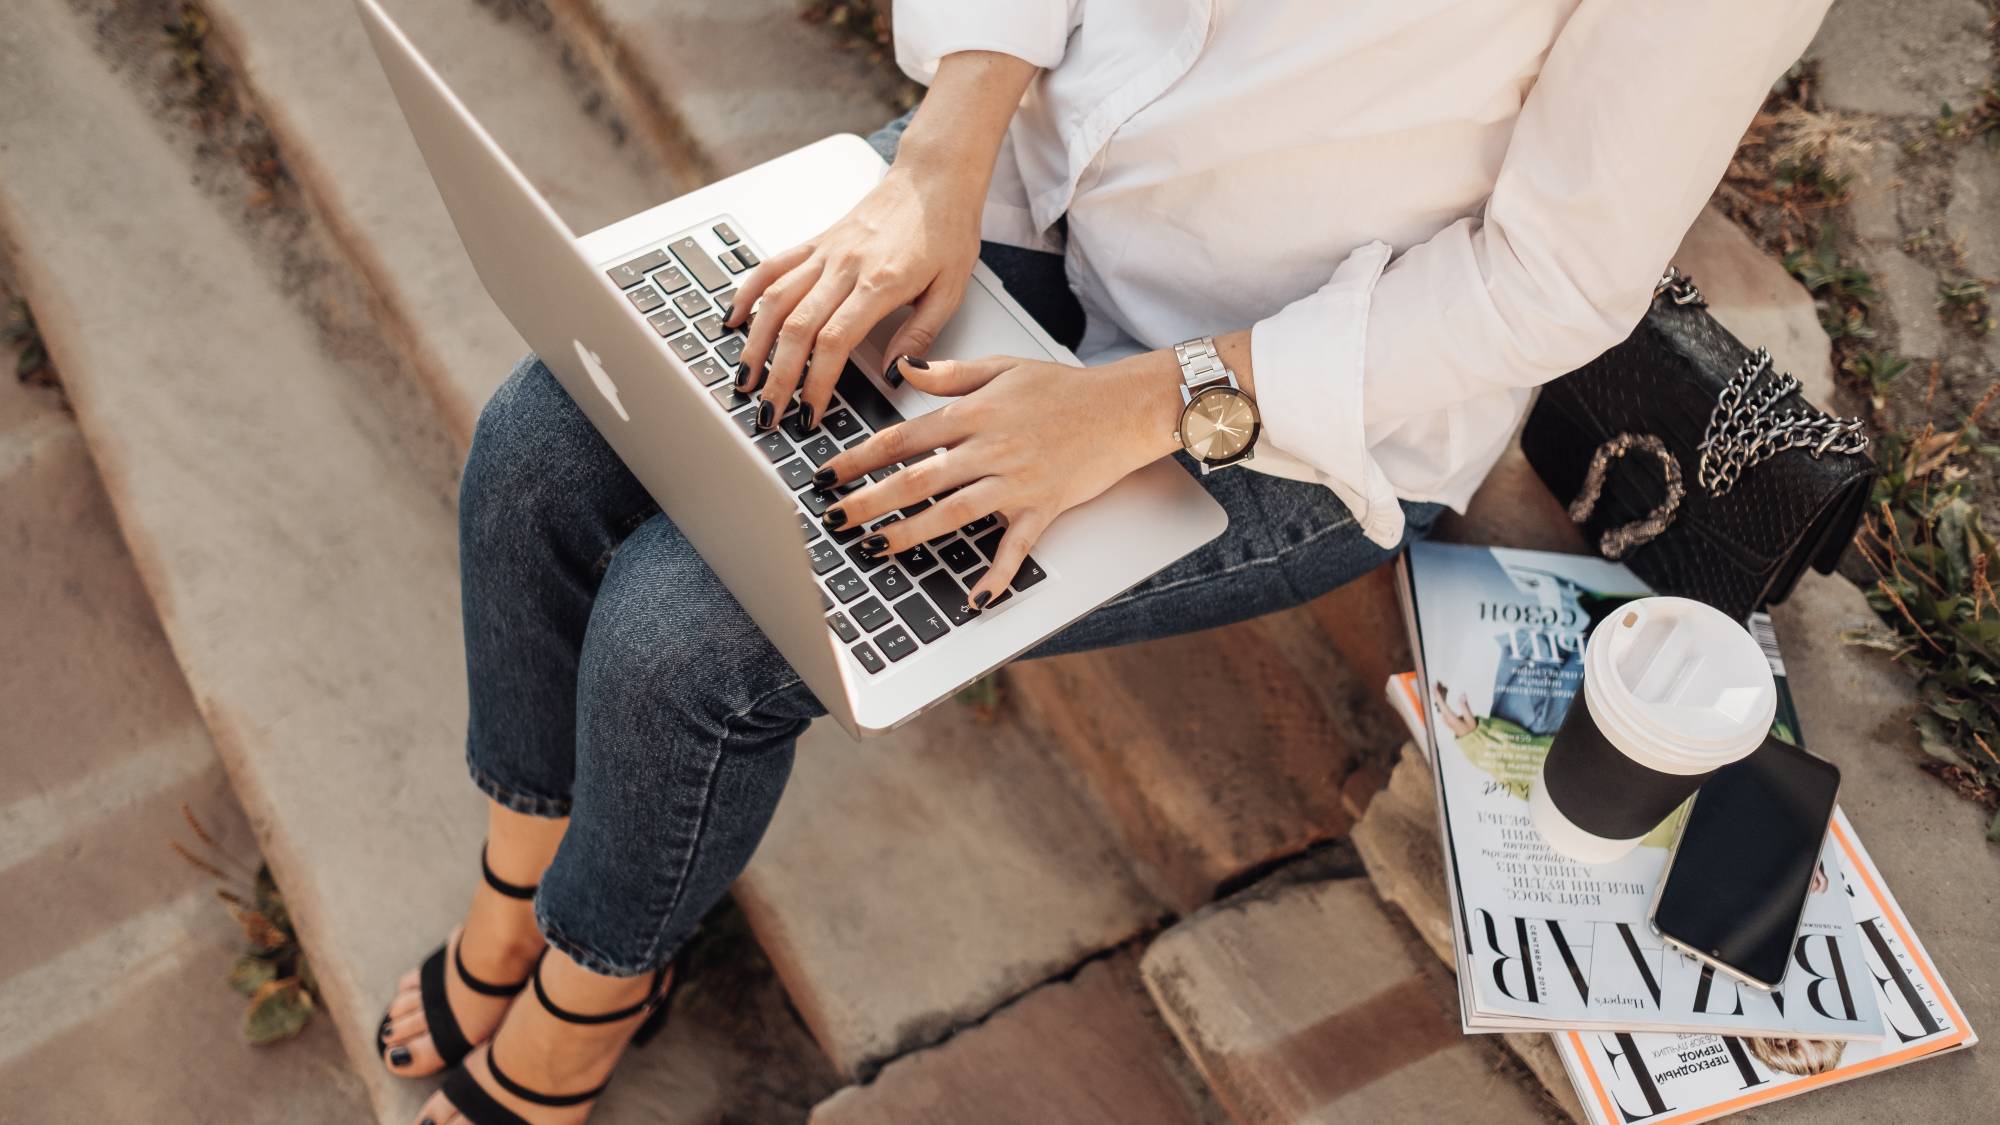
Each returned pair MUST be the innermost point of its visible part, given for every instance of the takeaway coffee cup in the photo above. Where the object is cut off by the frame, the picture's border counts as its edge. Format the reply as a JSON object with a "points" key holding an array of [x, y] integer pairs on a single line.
{"points": [[1672, 691]]}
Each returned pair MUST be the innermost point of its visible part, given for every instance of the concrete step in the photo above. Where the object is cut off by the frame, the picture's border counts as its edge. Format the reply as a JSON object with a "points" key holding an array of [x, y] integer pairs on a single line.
{"points": [[1089, 1050], [1303, 1001], [311, 75], [291, 519], [698, 77], [112, 993], [911, 883]]}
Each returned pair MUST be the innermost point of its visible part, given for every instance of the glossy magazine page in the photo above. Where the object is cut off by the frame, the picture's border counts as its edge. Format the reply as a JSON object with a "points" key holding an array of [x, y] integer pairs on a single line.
{"points": [[1545, 942]]}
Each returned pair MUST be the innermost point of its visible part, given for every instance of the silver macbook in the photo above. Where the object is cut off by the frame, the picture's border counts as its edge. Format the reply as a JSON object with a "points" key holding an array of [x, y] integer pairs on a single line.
{"points": [[628, 319]]}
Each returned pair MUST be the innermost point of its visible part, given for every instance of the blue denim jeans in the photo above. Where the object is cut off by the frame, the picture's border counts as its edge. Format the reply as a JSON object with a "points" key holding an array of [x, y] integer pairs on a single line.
{"points": [[615, 680]]}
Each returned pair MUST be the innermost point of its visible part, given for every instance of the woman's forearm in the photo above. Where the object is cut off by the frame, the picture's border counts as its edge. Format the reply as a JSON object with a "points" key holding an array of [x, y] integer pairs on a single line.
{"points": [[957, 131]]}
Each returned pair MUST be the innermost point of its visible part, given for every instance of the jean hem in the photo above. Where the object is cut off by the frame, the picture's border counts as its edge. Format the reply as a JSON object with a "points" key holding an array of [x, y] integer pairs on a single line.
{"points": [[587, 955], [516, 800]]}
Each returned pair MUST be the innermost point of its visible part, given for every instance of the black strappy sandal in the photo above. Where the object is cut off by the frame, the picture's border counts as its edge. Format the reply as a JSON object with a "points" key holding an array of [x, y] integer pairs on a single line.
{"points": [[481, 1108], [449, 1039]]}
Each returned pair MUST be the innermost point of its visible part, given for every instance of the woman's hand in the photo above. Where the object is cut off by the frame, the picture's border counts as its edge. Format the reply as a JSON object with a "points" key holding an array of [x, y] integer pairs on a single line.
{"points": [[1028, 441], [913, 239]]}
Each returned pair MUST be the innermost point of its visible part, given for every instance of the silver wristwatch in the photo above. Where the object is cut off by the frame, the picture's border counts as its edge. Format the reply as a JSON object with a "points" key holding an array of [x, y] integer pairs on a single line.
{"points": [[1219, 422]]}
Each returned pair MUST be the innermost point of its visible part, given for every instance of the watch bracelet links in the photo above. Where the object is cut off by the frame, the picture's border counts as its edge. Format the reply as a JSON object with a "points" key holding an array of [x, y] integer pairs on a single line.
{"points": [[1200, 363]]}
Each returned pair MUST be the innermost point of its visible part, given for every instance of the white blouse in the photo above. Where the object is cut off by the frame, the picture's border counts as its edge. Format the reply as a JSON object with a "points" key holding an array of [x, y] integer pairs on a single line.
{"points": [[1422, 208]]}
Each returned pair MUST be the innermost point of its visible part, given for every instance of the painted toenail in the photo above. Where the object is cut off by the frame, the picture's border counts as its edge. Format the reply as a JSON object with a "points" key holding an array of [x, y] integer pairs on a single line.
{"points": [[399, 1057]]}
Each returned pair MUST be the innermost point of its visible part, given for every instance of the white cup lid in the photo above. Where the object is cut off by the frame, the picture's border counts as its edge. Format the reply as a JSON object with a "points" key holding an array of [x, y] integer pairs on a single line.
{"points": [[1678, 685]]}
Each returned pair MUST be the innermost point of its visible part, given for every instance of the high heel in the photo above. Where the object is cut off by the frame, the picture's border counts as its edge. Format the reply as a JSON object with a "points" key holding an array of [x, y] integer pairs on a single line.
{"points": [[479, 1107], [449, 1038]]}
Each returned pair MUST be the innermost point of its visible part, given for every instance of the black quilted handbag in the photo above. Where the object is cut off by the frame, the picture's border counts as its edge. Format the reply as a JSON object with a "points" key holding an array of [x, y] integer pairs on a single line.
{"points": [[1682, 453]]}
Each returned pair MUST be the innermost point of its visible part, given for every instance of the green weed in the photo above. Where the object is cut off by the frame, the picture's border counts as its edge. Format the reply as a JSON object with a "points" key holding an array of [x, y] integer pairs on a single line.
{"points": [[1934, 566], [272, 972]]}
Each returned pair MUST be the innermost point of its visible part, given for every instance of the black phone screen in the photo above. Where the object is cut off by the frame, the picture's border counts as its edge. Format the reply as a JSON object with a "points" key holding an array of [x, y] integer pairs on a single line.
{"points": [[1740, 873]]}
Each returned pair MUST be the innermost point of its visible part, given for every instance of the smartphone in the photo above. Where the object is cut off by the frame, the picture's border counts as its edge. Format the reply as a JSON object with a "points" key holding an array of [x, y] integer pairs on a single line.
{"points": [[1736, 882]]}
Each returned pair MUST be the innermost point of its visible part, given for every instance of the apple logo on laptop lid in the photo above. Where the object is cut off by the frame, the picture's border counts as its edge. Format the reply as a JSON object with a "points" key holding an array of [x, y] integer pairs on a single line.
{"points": [[600, 379]]}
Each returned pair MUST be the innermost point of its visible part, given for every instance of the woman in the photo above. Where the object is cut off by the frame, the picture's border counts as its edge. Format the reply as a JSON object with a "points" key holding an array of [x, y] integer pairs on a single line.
{"points": [[1397, 217]]}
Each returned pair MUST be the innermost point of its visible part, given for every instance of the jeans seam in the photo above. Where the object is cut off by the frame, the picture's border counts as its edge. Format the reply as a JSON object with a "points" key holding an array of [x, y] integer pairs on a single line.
{"points": [[707, 803]]}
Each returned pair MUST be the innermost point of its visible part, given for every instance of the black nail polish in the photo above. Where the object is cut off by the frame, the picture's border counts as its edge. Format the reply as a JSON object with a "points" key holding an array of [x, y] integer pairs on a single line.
{"points": [[834, 518], [825, 478], [805, 417], [399, 1057], [767, 415], [875, 544], [980, 599], [743, 376], [919, 364]]}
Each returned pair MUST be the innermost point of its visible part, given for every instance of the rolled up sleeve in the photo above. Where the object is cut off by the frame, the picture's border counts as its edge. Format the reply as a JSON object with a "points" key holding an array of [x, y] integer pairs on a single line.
{"points": [[1619, 145], [1036, 31]]}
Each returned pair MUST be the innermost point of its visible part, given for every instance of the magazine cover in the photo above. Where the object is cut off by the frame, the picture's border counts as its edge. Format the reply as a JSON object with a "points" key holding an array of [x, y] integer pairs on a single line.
{"points": [[1545, 942], [1678, 1079]]}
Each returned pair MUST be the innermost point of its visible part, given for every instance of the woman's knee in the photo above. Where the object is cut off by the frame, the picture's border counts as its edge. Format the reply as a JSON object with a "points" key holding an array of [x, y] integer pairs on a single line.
{"points": [[670, 647]]}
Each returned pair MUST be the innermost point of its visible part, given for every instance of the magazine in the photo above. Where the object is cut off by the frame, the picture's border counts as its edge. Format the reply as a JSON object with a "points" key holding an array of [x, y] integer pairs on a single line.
{"points": [[1543, 942], [1668, 1079]]}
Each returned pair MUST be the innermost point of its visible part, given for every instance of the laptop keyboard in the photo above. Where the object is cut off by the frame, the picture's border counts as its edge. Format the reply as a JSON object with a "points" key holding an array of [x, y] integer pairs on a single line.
{"points": [[883, 609]]}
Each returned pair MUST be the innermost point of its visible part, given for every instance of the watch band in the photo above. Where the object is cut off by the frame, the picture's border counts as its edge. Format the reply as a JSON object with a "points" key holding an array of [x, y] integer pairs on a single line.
{"points": [[1200, 363]]}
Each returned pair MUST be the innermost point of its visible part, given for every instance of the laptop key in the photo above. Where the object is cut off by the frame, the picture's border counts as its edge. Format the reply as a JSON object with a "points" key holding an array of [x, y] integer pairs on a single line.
{"points": [[774, 446], [924, 620], [793, 425], [817, 500], [959, 556], [825, 603], [1030, 573], [870, 615], [748, 257], [730, 349], [820, 450], [866, 400], [989, 545], [845, 535], [710, 371], [808, 527], [691, 303], [726, 301], [645, 298], [847, 586], [696, 261], [710, 327], [746, 421], [895, 643], [727, 234], [867, 658], [687, 345], [843, 628], [917, 559], [797, 474], [842, 425], [730, 398], [627, 274], [972, 580], [981, 524], [945, 594], [825, 556], [891, 583], [731, 262], [671, 279], [865, 562], [665, 322]]}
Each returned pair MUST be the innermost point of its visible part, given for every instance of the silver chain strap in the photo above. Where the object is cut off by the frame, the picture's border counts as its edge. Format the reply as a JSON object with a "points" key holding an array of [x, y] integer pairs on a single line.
{"points": [[1745, 428]]}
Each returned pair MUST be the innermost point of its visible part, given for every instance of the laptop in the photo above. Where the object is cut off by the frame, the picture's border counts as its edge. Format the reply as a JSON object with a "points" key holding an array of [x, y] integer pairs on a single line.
{"points": [[628, 318]]}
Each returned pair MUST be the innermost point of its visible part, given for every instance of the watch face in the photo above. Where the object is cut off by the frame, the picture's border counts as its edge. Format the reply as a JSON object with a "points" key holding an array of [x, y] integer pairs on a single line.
{"points": [[1218, 425]]}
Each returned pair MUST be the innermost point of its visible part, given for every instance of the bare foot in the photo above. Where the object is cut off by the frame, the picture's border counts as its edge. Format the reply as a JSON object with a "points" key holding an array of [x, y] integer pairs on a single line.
{"points": [[499, 943], [548, 1055]]}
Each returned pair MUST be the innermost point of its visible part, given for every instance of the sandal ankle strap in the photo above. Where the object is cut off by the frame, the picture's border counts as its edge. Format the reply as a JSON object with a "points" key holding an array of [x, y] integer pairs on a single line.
{"points": [[511, 890], [652, 1000], [527, 1094]]}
